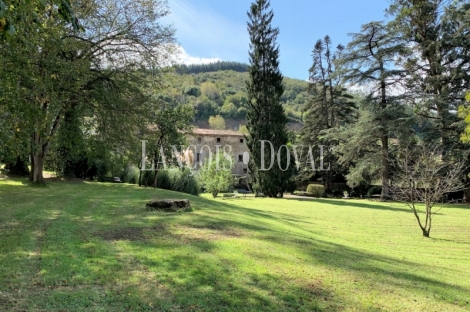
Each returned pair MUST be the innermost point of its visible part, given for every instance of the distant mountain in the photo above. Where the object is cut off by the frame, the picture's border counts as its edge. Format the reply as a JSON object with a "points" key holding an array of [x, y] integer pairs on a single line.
{"points": [[211, 67], [220, 89]]}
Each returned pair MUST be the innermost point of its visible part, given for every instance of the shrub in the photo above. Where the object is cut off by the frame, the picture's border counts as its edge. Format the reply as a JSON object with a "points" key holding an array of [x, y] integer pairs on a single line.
{"points": [[147, 178], [375, 190], [172, 179], [336, 193], [183, 181], [163, 179], [291, 186], [130, 175], [216, 176], [316, 190], [341, 188], [361, 189]]}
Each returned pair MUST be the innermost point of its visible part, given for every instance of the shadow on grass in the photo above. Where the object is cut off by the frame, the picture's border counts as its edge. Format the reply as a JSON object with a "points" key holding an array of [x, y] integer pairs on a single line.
{"points": [[381, 269], [365, 205]]}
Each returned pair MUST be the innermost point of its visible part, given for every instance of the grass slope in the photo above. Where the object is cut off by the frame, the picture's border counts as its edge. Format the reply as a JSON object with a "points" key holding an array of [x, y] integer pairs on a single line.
{"points": [[93, 247]]}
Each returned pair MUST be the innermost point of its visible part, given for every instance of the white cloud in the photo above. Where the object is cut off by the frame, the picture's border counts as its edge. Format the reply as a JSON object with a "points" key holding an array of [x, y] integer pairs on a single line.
{"points": [[184, 58]]}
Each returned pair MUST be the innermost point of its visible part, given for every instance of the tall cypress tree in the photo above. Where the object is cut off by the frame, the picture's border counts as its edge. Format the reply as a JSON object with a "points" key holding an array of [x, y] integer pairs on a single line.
{"points": [[265, 117]]}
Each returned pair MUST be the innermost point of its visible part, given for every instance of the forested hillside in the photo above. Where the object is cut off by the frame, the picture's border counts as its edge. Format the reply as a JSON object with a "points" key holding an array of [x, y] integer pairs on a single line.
{"points": [[220, 89]]}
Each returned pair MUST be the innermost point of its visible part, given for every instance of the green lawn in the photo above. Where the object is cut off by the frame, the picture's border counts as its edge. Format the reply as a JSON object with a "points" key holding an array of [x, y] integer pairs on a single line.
{"points": [[91, 247]]}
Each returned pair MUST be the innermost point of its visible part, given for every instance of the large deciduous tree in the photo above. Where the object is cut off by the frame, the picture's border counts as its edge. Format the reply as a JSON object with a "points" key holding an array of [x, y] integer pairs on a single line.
{"points": [[96, 72], [265, 117]]}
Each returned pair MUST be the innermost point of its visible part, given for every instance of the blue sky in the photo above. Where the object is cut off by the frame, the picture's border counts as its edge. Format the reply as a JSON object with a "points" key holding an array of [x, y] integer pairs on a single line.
{"points": [[210, 30]]}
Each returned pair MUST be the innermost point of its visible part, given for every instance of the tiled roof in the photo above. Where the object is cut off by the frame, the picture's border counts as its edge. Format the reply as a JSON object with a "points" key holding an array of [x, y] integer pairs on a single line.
{"points": [[199, 131]]}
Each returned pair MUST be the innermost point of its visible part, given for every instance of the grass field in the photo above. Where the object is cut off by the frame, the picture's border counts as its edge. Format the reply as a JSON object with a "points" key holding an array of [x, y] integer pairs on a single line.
{"points": [[93, 247]]}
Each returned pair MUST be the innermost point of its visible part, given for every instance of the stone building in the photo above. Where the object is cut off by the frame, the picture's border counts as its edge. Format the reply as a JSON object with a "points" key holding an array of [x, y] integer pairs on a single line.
{"points": [[204, 139]]}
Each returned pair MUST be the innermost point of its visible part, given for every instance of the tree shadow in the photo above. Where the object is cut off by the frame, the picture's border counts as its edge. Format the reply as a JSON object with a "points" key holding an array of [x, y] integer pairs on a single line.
{"points": [[365, 205]]}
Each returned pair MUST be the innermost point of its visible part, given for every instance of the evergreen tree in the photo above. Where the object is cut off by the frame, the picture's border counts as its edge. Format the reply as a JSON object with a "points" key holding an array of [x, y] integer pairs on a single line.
{"points": [[438, 72], [371, 61], [329, 107], [265, 117]]}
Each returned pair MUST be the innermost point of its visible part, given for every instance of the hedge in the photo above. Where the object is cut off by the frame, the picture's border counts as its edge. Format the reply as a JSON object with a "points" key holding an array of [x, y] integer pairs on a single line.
{"points": [[315, 190]]}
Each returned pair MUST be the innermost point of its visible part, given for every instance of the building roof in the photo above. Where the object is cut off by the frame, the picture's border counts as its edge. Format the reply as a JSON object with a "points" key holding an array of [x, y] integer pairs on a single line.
{"points": [[212, 132]]}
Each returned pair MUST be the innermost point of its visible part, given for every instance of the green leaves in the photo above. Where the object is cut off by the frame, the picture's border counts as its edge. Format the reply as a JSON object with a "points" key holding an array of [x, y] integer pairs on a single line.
{"points": [[32, 15], [216, 175]]}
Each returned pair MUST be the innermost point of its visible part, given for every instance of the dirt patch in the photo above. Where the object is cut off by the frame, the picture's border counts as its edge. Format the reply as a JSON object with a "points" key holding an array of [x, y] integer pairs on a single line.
{"points": [[181, 233], [129, 233], [7, 301], [209, 232]]}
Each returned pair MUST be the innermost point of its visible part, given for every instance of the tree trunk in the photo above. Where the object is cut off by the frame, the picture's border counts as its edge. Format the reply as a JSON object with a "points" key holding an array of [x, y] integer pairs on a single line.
{"points": [[155, 178], [20, 167], [39, 149], [140, 173], [385, 168], [38, 160], [466, 191], [426, 232]]}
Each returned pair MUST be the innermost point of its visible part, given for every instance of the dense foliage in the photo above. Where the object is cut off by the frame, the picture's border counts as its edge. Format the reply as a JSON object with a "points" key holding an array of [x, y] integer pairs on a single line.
{"points": [[395, 85], [173, 179], [66, 93]]}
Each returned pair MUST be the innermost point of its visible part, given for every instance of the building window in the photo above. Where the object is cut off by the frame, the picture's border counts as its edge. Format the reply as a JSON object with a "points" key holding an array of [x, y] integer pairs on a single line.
{"points": [[199, 140], [218, 140], [240, 158], [245, 170], [198, 156], [241, 140]]}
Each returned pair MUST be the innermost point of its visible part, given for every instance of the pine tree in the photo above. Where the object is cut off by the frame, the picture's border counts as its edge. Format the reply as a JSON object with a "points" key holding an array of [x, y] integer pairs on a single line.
{"points": [[438, 72], [265, 117], [371, 60], [329, 107]]}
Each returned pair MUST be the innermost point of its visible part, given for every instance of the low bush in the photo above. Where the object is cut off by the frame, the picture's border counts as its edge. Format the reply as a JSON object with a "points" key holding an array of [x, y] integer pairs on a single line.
{"points": [[147, 178], [340, 188], [163, 180], [183, 181], [337, 193], [130, 175], [375, 190], [172, 179], [316, 190], [291, 186]]}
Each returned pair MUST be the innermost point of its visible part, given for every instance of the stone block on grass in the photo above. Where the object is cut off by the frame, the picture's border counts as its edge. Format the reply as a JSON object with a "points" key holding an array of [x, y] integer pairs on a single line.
{"points": [[169, 205]]}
